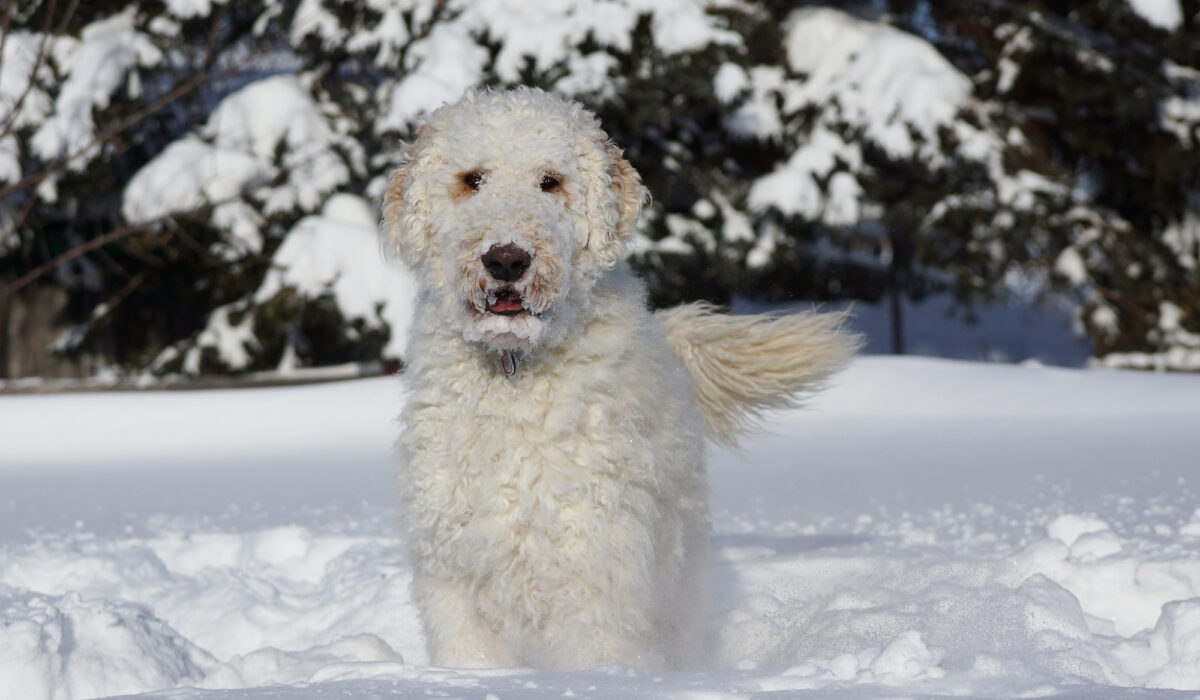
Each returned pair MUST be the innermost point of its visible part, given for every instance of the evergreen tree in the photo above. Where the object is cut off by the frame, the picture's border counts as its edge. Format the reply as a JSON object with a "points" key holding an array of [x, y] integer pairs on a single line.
{"points": [[202, 199]]}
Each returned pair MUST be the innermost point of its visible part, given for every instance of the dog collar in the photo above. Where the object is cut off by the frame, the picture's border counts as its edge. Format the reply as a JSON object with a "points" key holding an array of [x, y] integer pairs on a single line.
{"points": [[509, 363]]}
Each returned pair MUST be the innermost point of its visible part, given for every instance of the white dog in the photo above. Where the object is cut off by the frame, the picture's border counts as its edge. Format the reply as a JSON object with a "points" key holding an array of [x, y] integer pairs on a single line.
{"points": [[553, 482]]}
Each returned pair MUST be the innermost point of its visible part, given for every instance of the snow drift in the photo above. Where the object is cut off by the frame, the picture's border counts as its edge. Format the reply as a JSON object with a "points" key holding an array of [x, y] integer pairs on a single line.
{"points": [[925, 527]]}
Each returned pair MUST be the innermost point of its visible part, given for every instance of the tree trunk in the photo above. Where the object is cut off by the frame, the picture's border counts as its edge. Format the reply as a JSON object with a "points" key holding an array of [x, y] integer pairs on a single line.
{"points": [[30, 323]]}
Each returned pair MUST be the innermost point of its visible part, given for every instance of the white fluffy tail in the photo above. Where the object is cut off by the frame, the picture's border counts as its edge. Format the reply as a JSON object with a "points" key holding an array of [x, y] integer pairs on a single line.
{"points": [[741, 366]]}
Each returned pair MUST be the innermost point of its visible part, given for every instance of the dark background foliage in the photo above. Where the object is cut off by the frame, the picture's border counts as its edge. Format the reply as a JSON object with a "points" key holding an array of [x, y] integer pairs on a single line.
{"points": [[1090, 110]]}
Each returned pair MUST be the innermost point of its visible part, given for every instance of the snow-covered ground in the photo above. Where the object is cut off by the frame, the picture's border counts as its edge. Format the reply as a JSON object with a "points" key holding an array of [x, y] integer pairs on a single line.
{"points": [[926, 527]]}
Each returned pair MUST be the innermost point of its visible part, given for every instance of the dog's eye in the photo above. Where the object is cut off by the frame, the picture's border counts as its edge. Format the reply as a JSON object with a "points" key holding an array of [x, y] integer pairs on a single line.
{"points": [[473, 180], [550, 183]]}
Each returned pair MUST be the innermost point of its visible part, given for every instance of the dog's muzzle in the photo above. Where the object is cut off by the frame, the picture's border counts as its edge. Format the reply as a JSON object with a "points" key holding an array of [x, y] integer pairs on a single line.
{"points": [[506, 263]]}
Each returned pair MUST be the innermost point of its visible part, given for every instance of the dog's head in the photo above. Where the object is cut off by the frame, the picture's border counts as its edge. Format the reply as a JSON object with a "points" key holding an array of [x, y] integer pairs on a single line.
{"points": [[509, 206]]}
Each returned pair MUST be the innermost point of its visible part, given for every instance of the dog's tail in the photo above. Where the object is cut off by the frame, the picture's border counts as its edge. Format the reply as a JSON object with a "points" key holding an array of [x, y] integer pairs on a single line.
{"points": [[741, 366]]}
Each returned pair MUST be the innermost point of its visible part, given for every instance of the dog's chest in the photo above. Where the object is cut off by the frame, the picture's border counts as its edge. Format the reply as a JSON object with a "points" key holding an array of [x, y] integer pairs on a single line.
{"points": [[527, 454]]}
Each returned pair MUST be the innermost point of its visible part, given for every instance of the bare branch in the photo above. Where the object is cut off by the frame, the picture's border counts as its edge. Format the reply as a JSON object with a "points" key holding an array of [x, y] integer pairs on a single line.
{"points": [[11, 121], [8, 13], [103, 310], [126, 123], [201, 78], [32, 276]]}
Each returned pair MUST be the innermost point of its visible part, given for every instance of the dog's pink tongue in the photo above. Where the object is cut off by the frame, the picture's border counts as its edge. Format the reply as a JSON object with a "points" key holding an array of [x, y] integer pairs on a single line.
{"points": [[505, 305]]}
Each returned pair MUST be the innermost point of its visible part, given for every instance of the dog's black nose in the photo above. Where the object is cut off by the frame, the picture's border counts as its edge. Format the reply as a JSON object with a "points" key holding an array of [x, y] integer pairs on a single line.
{"points": [[506, 263]]}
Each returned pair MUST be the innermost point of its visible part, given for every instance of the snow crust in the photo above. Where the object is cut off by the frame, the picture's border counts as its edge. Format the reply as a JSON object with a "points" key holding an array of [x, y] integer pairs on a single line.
{"points": [[926, 528]]}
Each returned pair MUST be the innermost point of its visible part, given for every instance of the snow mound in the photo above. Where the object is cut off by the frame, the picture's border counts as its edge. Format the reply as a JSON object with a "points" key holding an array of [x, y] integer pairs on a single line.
{"points": [[234, 602], [1046, 614], [59, 647]]}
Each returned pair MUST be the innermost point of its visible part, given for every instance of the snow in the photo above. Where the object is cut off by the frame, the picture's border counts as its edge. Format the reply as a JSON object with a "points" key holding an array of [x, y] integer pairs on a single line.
{"points": [[10, 161], [312, 19], [389, 34], [925, 527], [1165, 14], [878, 76], [185, 9], [1183, 237], [1070, 265], [98, 64], [279, 111], [230, 338], [236, 152], [17, 66], [680, 26], [441, 66], [1183, 347], [588, 74], [758, 116], [892, 88], [794, 190], [189, 174], [339, 251], [729, 81], [21, 103]]}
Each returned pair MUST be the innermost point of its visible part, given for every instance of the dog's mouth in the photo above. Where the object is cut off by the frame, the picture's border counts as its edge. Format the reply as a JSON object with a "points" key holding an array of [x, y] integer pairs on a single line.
{"points": [[507, 302]]}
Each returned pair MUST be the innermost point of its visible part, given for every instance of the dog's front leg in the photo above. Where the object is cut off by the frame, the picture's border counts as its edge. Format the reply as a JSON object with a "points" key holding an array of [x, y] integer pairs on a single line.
{"points": [[457, 635], [570, 644]]}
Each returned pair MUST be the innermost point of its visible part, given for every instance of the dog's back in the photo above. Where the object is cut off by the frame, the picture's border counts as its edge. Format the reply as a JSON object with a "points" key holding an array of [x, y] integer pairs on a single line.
{"points": [[743, 365]]}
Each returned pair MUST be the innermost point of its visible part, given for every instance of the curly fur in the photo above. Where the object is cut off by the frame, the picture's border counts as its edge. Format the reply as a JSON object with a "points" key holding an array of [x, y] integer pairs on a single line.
{"points": [[558, 518]]}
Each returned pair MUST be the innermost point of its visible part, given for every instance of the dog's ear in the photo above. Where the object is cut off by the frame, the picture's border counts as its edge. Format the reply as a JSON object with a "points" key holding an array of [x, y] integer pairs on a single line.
{"points": [[406, 206], [615, 208]]}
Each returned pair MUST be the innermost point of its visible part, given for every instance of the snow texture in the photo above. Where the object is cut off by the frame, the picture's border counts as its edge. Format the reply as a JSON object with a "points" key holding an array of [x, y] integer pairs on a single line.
{"points": [[925, 528]]}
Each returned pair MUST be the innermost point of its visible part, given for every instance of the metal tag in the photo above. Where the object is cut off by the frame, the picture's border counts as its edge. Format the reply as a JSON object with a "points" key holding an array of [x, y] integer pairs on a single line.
{"points": [[509, 363]]}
